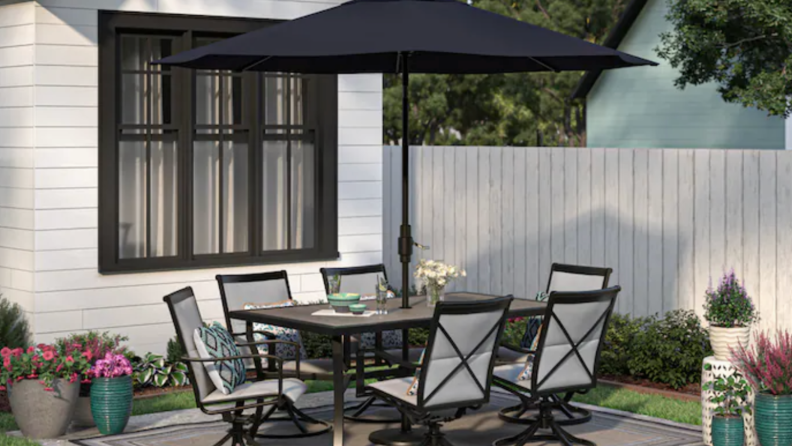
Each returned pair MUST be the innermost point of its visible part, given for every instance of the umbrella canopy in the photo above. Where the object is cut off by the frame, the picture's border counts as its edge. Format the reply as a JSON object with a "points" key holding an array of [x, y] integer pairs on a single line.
{"points": [[403, 36], [440, 36]]}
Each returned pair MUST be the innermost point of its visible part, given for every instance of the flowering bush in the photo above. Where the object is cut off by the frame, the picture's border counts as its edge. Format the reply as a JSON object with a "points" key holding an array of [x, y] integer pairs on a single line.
{"points": [[767, 365], [111, 366], [42, 362], [99, 344], [729, 305], [437, 274]]}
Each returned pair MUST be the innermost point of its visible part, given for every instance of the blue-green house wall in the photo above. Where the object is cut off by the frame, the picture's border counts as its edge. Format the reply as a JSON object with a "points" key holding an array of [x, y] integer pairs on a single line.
{"points": [[641, 107]]}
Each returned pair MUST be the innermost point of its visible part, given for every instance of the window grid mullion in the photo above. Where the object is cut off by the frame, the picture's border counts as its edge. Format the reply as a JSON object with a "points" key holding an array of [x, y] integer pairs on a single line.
{"points": [[287, 97], [147, 117], [221, 164]]}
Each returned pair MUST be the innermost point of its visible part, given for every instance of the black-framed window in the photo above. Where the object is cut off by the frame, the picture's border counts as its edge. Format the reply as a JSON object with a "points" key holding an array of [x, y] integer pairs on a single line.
{"points": [[209, 168]]}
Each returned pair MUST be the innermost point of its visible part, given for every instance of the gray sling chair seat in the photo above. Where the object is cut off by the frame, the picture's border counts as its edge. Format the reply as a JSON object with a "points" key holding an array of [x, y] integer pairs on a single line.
{"points": [[261, 289], [567, 360], [280, 393], [563, 277], [456, 372], [363, 280]]}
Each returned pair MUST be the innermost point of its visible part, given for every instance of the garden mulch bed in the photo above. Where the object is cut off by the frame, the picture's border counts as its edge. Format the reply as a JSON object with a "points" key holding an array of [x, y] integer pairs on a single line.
{"points": [[691, 392]]}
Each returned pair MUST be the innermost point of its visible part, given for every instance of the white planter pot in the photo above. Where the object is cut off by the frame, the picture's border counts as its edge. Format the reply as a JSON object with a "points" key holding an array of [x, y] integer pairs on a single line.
{"points": [[724, 340]]}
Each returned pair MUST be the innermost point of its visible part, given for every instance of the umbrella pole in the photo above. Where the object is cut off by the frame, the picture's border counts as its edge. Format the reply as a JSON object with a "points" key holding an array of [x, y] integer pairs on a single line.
{"points": [[405, 237]]}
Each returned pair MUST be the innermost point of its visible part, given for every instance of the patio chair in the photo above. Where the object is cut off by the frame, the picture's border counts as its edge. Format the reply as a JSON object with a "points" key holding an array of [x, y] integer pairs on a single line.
{"points": [[262, 290], [456, 372], [567, 360], [563, 277], [281, 393], [364, 280]]}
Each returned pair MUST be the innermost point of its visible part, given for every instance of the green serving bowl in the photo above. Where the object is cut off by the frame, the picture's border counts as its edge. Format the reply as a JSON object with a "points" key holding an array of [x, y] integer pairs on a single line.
{"points": [[341, 301], [357, 308]]}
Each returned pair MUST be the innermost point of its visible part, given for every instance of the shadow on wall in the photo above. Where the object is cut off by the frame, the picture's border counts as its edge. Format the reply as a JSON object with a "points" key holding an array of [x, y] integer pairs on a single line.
{"points": [[646, 260]]}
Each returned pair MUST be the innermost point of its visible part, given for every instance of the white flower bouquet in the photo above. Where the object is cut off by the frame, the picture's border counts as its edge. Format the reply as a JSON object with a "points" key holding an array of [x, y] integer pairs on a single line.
{"points": [[435, 276]]}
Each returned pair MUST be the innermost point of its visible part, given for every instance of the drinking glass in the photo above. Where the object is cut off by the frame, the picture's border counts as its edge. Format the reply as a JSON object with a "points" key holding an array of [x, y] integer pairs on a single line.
{"points": [[382, 301]]}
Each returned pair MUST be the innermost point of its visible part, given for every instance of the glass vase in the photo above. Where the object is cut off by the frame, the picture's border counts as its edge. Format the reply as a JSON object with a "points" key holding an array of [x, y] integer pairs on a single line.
{"points": [[434, 294]]}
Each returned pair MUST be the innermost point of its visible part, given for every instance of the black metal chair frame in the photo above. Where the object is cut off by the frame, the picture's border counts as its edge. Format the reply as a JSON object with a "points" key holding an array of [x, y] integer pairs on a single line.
{"points": [[235, 416], [522, 414], [294, 415], [420, 414], [546, 400], [370, 400]]}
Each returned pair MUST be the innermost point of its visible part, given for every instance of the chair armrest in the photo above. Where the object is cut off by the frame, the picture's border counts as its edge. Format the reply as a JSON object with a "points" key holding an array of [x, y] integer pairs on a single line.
{"points": [[267, 334], [265, 342], [278, 359], [390, 359]]}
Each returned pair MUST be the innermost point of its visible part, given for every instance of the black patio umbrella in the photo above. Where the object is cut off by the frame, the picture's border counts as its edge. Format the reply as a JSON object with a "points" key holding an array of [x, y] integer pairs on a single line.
{"points": [[404, 36]]}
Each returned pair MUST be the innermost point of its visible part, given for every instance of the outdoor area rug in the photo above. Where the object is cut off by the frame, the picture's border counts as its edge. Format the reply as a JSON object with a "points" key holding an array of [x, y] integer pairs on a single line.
{"points": [[478, 428]]}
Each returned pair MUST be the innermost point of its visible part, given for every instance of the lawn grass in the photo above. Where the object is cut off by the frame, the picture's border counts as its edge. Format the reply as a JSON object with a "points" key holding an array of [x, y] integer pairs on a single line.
{"points": [[621, 399]]}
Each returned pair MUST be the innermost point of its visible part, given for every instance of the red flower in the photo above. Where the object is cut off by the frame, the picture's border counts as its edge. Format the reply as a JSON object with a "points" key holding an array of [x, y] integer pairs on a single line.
{"points": [[5, 352], [35, 358], [48, 389], [30, 350], [59, 368], [48, 355], [2, 388], [7, 363], [69, 359], [17, 352], [73, 378], [32, 376], [88, 355], [19, 378]]}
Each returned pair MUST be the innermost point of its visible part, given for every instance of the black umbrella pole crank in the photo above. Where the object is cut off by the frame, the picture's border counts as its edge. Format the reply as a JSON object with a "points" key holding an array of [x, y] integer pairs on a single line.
{"points": [[405, 233]]}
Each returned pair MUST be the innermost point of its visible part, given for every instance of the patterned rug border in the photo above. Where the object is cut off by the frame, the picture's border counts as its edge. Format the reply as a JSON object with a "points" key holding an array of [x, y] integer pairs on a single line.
{"points": [[496, 394]]}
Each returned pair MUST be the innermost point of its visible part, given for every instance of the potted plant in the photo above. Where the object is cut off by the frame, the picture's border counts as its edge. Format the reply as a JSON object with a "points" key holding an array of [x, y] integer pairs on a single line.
{"points": [[768, 368], [96, 345], [730, 313], [43, 386], [730, 398], [111, 393], [435, 276]]}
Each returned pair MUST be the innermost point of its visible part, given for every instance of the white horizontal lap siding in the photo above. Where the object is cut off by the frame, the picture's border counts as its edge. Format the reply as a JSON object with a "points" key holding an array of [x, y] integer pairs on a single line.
{"points": [[71, 296], [16, 153]]}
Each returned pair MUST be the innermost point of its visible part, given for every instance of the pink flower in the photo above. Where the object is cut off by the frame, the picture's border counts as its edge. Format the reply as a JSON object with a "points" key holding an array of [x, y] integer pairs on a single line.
{"points": [[59, 368], [69, 359], [49, 355], [5, 352], [30, 350], [17, 352], [88, 355], [2, 388], [32, 376], [48, 389]]}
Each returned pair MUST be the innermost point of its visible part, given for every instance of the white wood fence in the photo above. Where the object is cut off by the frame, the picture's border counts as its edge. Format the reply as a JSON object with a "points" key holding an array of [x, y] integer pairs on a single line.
{"points": [[667, 221]]}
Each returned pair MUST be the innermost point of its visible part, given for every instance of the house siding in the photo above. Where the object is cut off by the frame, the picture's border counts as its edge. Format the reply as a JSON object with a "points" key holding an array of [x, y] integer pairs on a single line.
{"points": [[17, 154], [641, 107], [66, 292]]}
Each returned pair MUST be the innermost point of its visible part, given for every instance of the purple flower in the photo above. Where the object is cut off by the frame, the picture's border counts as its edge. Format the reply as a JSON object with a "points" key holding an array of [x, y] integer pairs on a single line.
{"points": [[111, 366]]}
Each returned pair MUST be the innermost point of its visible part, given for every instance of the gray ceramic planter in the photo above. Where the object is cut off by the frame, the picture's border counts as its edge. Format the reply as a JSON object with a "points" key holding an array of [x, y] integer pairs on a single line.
{"points": [[43, 414]]}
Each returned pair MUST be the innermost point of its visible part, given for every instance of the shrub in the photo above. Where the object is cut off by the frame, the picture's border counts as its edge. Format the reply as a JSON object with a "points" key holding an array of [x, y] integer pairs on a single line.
{"points": [[175, 352], [669, 350], [316, 345], [768, 365], [14, 327], [99, 344], [616, 349], [729, 305]]}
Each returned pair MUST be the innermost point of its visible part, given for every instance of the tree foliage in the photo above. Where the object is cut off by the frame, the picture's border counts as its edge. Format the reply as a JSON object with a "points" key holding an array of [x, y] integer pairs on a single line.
{"points": [[745, 46], [504, 109]]}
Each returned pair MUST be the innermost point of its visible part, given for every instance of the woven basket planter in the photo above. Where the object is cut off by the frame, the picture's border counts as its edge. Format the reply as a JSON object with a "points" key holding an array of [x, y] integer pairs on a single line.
{"points": [[111, 403], [724, 339]]}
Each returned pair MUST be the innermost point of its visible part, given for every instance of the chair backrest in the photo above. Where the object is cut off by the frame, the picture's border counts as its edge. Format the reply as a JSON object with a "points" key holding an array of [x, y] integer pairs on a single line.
{"points": [[573, 331], [458, 360], [577, 278], [186, 319], [257, 289], [356, 279]]}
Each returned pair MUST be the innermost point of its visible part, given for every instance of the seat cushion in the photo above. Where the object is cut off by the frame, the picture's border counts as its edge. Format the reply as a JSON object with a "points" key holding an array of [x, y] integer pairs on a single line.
{"points": [[322, 366], [414, 354], [293, 389], [216, 342], [511, 373], [508, 356], [397, 388]]}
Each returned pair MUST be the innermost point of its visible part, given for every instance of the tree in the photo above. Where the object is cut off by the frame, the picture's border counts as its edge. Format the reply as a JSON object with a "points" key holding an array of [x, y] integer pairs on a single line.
{"points": [[504, 109], [744, 46]]}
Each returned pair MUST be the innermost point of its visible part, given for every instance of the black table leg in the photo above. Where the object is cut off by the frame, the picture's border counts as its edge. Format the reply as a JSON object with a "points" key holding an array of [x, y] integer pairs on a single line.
{"points": [[338, 391]]}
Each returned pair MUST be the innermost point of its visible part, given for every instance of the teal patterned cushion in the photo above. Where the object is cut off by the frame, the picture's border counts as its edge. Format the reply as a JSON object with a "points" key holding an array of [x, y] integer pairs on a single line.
{"points": [[284, 351], [216, 342]]}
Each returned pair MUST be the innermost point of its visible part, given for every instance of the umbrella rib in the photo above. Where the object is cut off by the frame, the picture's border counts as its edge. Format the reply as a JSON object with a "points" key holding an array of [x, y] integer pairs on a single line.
{"points": [[256, 63], [543, 64]]}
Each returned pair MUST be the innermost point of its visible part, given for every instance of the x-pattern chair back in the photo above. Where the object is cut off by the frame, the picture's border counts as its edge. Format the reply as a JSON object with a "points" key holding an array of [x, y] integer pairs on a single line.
{"points": [[457, 368], [574, 328]]}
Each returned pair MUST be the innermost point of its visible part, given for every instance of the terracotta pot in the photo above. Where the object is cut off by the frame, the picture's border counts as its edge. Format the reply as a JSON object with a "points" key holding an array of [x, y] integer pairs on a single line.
{"points": [[725, 339], [40, 413]]}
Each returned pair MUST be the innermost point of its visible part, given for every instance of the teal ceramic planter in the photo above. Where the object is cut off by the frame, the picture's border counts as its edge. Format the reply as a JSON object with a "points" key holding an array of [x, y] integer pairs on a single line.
{"points": [[111, 403], [772, 415], [728, 431]]}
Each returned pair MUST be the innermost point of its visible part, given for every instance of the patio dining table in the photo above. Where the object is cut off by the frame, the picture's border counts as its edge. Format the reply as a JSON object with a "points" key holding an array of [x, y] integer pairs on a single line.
{"points": [[339, 328]]}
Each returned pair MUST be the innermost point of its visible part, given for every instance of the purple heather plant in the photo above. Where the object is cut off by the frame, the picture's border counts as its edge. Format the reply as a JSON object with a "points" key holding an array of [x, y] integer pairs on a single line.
{"points": [[111, 366], [729, 305], [768, 364]]}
